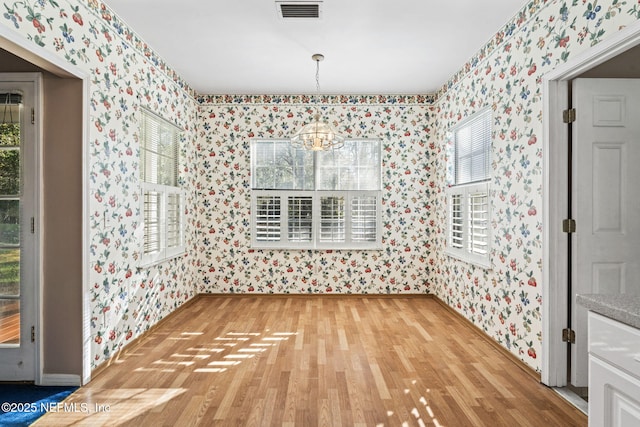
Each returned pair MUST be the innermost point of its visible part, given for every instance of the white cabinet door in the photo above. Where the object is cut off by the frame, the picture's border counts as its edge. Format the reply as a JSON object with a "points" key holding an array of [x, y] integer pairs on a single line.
{"points": [[613, 396]]}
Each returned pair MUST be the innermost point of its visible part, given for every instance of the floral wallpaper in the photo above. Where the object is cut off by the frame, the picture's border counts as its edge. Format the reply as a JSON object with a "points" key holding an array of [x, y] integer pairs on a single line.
{"points": [[126, 298], [506, 74], [226, 263]]}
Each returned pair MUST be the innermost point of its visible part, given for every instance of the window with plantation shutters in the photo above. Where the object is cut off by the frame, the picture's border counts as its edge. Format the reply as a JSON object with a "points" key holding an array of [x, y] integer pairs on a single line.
{"points": [[315, 200], [162, 197], [468, 204]]}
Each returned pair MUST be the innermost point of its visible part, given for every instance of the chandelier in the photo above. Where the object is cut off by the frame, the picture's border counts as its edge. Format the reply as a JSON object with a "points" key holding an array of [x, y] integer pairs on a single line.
{"points": [[317, 135]]}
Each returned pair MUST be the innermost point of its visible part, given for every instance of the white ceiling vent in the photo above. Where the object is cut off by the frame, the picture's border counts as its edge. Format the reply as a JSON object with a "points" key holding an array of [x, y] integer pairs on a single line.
{"points": [[299, 9]]}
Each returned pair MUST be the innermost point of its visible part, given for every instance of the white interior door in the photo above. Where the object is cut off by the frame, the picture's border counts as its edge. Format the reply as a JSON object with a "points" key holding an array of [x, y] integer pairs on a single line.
{"points": [[606, 199], [17, 239]]}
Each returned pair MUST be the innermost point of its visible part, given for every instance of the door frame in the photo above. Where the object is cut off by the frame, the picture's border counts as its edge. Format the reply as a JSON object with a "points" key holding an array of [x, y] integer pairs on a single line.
{"points": [[555, 271], [27, 50]]}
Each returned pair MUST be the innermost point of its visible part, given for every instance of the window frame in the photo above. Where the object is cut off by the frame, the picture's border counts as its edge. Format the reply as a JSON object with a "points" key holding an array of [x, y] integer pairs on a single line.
{"points": [[316, 195], [165, 250], [460, 243], [464, 251]]}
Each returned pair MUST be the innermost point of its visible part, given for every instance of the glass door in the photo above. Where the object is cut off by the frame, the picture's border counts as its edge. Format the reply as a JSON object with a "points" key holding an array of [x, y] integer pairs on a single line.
{"points": [[17, 237], [10, 191]]}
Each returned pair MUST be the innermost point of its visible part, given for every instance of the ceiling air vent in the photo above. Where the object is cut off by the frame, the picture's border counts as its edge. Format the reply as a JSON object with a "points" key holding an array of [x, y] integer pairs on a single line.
{"points": [[301, 9]]}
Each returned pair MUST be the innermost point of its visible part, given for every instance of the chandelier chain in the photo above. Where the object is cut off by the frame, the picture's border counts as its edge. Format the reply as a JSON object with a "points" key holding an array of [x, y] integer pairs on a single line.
{"points": [[317, 82]]}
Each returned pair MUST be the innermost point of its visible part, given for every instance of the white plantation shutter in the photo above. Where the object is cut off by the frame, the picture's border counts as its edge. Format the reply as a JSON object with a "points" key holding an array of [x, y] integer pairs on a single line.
{"points": [[324, 199], [473, 149], [152, 217], [267, 219], [468, 204], [456, 224], [468, 236], [300, 224], [174, 221], [162, 198], [478, 241], [332, 219], [364, 218]]}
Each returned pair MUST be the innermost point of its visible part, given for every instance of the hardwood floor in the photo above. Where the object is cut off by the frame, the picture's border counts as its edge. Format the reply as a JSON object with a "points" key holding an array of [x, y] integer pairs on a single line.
{"points": [[9, 322], [314, 360]]}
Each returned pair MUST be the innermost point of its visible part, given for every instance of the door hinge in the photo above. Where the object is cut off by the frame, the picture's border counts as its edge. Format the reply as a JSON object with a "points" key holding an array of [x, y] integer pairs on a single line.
{"points": [[568, 225], [569, 116], [33, 116], [568, 335], [33, 225], [33, 334]]}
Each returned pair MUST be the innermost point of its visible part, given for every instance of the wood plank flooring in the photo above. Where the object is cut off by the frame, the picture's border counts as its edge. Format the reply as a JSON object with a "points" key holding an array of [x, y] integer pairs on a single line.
{"points": [[9, 322], [314, 361]]}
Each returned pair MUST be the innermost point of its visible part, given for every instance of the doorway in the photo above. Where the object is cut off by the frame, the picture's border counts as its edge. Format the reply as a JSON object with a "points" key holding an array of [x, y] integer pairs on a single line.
{"points": [[62, 332], [608, 59]]}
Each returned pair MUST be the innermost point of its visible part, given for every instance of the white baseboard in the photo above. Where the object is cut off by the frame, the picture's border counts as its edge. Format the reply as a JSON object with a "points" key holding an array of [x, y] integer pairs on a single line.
{"points": [[60, 379]]}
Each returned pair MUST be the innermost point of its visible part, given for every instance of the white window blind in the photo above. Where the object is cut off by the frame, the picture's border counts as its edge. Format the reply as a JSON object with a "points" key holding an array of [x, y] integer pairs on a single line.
{"points": [[159, 151], [324, 199], [468, 203], [473, 149], [162, 198]]}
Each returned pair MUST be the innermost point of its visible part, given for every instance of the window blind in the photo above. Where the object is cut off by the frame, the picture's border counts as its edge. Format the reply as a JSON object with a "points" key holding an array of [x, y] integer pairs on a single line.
{"points": [[472, 149], [159, 151]]}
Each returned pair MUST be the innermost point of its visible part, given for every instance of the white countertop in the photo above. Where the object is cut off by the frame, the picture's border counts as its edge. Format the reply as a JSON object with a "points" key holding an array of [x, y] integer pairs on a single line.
{"points": [[624, 308]]}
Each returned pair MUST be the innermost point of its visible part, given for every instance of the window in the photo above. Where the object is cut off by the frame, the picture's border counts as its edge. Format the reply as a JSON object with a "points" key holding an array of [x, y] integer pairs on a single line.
{"points": [[162, 198], [315, 200], [468, 197]]}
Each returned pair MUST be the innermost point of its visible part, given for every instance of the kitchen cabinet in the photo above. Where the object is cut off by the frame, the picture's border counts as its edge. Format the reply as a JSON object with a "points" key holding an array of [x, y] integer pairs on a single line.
{"points": [[614, 372]]}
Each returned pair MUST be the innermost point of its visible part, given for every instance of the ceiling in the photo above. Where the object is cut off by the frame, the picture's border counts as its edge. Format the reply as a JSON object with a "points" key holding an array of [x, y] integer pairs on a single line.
{"points": [[245, 47]]}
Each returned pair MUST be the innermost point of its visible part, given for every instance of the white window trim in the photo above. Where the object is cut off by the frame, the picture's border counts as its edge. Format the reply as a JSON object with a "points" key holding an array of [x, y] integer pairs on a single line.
{"points": [[165, 253], [463, 253], [315, 243]]}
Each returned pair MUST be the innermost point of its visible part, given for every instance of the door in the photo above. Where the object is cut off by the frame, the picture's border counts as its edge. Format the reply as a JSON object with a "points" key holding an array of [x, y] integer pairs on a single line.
{"points": [[606, 199], [18, 264]]}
